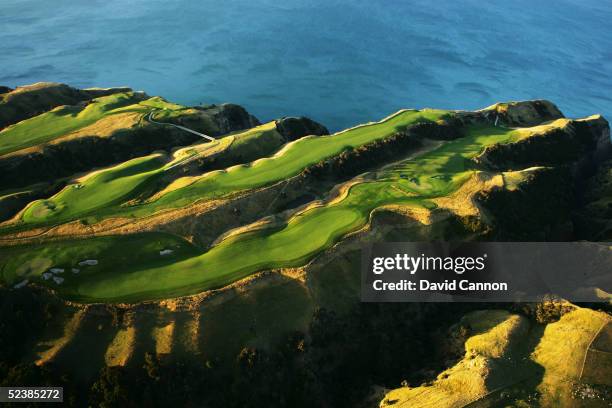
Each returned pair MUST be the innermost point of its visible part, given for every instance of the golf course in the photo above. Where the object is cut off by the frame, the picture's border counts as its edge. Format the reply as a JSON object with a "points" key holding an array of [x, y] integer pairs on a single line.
{"points": [[412, 182], [141, 233], [122, 181], [64, 120]]}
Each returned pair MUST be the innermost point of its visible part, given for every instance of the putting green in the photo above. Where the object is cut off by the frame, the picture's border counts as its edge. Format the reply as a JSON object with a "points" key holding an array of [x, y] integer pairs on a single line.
{"points": [[410, 183]]}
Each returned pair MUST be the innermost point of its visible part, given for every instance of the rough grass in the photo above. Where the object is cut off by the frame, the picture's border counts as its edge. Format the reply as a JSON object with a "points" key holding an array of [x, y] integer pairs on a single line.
{"points": [[489, 349], [566, 355], [50, 348], [121, 349], [500, 370], [164, 338]]}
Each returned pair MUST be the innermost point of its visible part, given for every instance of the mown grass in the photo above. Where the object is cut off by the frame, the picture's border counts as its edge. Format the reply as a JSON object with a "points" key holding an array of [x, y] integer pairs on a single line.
{"points": [[65, 119], [288, 162], [114, 253], [292, 159], [96, 192]]}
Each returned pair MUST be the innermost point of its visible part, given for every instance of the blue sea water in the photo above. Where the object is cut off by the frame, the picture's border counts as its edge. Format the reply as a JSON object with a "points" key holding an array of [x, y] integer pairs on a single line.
{"points": [[339, 62]]}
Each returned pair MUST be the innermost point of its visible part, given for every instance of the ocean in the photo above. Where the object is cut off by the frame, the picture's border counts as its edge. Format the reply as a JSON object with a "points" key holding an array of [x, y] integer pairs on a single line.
{"points": [[339, 62]]}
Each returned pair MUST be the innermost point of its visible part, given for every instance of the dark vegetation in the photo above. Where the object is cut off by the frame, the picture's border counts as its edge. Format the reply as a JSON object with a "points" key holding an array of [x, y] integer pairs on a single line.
{"points": [[539, 210], [552, 148], [294, 128], [334, 364], [594, 211]]}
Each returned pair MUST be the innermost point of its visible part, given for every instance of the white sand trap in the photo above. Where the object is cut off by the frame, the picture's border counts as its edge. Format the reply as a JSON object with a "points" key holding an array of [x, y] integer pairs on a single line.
{"points": [[56, 270], [47, 275], [76, 270], [21, 284], [58, 280], [165, 252], [88, 262]]}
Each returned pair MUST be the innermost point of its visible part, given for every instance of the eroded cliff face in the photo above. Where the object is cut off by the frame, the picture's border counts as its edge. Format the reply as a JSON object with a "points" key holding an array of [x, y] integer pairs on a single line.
{"points": [[593, 216], [560, 143], [292, 128], [217, 119]]}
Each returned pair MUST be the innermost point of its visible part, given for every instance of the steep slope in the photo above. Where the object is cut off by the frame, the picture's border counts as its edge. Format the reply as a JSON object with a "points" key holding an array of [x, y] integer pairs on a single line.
{"points": [[510, 360]]}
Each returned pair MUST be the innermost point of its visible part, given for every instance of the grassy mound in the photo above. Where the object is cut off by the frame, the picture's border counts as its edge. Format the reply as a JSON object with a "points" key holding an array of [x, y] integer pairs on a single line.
{"points": [[510, 361]]}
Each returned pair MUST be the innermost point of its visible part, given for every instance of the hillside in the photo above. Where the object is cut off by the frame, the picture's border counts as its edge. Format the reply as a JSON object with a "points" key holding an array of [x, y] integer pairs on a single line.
{"points": [[510, 359], [136, 238]]}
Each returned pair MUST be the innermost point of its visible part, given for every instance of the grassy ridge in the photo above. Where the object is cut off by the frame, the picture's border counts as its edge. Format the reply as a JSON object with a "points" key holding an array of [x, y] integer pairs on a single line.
{"points": [[510, 361], [65, 119], [102, 194]]}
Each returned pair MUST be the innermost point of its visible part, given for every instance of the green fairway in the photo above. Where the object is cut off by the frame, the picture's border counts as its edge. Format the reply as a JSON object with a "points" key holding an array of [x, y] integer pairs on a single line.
{"points": [[65, 119], [114, 253], [97, 192], [411, 183]]}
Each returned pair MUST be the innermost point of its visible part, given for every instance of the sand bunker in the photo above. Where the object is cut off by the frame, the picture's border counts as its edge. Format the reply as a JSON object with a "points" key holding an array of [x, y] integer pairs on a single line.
{"points": [[21, 284]]}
